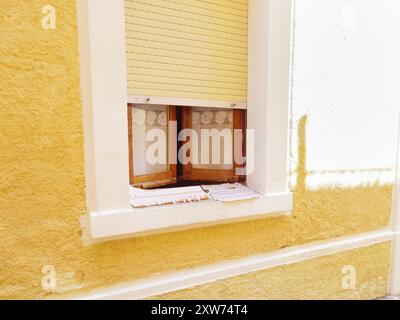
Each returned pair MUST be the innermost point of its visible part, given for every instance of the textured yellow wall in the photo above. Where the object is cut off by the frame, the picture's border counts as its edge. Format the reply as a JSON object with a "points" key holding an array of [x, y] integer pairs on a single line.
{"points": [[42, 181], [319, 278]]}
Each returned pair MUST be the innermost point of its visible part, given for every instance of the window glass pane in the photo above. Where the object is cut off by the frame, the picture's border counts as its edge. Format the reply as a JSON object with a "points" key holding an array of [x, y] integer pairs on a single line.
{"points": [[150, 123], [219, 122]]}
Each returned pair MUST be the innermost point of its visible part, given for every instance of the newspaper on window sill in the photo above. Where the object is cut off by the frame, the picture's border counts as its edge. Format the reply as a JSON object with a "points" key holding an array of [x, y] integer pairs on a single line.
{"points": [[141, 198], [230, 192], [159, 197]]}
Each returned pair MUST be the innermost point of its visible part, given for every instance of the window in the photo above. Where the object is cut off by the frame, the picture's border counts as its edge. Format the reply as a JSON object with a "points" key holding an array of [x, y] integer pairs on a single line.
{"points": [[193, 54], [141, 120], [217, 156], [210, 140], [257, 101]]}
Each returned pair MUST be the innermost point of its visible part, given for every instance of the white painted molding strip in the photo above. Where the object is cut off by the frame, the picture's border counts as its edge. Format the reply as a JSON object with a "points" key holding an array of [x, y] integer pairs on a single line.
{"points": [[187, 102], [200, 276]]}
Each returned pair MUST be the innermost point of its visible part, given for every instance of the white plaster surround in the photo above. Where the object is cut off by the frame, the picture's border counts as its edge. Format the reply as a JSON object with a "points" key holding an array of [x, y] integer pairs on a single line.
{"points": [[104, 97]]}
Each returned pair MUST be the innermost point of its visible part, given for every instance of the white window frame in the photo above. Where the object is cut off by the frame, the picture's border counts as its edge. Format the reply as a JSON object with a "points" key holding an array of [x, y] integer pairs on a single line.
{"points": [[104, 99]]}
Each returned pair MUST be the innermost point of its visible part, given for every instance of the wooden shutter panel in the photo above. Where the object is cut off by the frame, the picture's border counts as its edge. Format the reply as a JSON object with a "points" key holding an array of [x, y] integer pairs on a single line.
{"points": [[190, 49]]}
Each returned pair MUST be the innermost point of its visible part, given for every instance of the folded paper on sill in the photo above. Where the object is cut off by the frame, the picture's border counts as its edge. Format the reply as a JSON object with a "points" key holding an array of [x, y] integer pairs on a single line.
{"points": [[230, 192], [142, 198], [158, 197]]}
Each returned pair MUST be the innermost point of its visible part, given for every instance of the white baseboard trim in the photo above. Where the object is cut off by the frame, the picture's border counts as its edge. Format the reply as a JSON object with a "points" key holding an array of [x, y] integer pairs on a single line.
{"points": [[394, 284], [203, 275]]}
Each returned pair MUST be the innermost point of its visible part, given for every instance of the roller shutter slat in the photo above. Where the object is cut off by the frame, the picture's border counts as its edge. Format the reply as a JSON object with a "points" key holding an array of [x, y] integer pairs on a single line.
{"points": [[193, 49]]}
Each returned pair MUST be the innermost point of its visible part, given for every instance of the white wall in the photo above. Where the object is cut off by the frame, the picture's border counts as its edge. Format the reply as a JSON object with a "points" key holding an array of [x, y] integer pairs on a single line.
{"points": [[347, 81]]}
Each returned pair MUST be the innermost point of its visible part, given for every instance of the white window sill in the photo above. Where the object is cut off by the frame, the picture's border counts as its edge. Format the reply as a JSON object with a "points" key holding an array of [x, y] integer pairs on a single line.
{"points": [[118, 224]]}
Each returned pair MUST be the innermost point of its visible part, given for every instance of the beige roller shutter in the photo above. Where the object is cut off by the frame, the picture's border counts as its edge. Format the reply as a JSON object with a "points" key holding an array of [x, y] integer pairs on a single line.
{"points": [[190, 49]]}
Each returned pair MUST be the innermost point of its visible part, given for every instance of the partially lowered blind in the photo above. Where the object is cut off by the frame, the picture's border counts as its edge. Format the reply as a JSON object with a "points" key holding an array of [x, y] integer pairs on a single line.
{"points": [[192, 49]]}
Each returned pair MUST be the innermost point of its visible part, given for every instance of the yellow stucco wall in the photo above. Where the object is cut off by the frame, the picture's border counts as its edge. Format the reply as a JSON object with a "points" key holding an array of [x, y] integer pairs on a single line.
{"points": [[42, 194], [319, 278]]}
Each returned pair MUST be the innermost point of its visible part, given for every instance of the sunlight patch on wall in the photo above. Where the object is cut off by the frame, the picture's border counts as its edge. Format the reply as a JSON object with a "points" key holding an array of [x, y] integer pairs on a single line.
{"points": [[345, 85], [350, 179]]}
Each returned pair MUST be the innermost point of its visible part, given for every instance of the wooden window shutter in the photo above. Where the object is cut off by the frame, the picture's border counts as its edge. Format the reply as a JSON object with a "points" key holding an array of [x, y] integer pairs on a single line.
{"points": [[198, 119], [141, 119], [190, 49]]}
